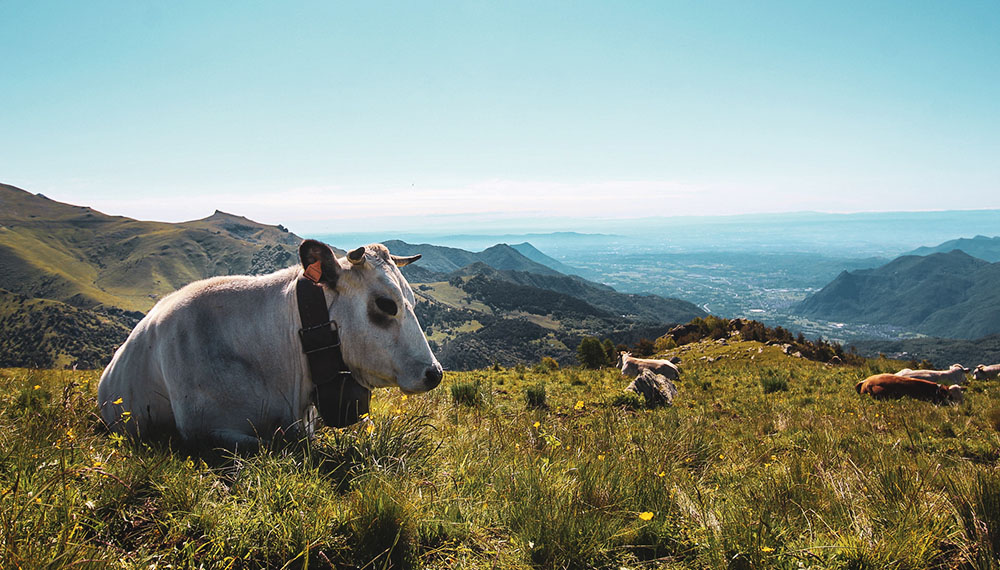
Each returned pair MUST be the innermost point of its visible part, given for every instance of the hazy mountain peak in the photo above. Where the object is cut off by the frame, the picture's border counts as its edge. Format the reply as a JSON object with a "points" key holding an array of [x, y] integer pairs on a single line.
{"points": [[982, 247]]}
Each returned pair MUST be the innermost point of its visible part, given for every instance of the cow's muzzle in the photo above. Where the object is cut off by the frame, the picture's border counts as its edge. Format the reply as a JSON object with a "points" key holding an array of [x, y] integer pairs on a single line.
{"points": [[433, 376]]}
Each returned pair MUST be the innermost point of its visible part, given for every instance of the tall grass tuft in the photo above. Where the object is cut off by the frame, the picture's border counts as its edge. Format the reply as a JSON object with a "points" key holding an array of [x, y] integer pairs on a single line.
{"points": [[534, 396], [383, 533], [978, 505], [993, 417], [467, 393], [774, 380]]}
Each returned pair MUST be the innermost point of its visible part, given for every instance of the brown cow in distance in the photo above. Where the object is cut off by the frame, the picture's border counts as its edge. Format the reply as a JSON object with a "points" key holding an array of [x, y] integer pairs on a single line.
{"points": [[891, 386]]}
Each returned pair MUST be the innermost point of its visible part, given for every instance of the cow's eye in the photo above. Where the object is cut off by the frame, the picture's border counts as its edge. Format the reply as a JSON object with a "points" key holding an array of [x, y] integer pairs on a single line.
{"points": [[387, 306]]}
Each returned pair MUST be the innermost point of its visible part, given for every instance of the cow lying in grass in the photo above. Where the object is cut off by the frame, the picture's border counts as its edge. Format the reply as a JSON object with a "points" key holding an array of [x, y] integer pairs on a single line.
{"points": [[984, 372], [892, 386], [632, 367], [220, 362], [955, 374]]}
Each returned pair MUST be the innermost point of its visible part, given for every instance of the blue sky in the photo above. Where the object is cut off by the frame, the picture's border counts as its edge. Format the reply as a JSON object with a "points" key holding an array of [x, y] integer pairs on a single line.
{"points": [[334, 116]]}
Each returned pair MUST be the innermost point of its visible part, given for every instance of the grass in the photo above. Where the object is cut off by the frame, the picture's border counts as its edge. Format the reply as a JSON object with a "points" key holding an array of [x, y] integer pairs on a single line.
{"points": [[731, 476]]}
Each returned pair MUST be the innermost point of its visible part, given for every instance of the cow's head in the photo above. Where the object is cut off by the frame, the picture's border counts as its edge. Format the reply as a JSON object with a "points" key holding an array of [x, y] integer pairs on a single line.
{"points": [[622, 355], [956, 393], [380, 337], [957, 366]]}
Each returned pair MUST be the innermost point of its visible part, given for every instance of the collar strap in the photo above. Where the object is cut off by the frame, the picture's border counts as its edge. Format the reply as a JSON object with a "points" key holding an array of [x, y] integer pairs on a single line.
{"points": [[339, 397]]}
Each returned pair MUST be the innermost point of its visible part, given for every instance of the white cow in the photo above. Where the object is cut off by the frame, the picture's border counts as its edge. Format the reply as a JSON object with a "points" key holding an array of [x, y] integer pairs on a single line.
{"points": [[954, 375], [986, 372], [632, 367], [219, 361]]}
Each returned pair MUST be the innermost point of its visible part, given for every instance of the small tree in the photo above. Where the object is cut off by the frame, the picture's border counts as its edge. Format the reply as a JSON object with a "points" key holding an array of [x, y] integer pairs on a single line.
{"points": [[609, 350], [547, 364], [591, 354], [665, 342], [644, 348]]}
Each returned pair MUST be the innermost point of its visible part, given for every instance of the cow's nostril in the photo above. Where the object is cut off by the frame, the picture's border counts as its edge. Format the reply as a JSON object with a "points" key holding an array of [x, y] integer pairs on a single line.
{"points": [[433, 375]]}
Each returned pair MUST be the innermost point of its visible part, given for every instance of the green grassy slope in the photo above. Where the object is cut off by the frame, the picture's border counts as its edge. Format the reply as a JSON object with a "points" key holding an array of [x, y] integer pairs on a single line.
{"points": [[765, 461], [80, 256], [51, 334]]}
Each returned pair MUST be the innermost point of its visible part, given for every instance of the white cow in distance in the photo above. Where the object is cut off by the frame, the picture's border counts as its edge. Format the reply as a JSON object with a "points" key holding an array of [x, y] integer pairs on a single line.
{"points": [[632, 367], [986, 372], [954, 375], [219, 361]]}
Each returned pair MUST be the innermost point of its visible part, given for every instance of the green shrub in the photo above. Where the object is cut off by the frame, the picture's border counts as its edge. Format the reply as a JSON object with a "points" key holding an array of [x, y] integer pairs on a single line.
{"points": [[547, 364]]}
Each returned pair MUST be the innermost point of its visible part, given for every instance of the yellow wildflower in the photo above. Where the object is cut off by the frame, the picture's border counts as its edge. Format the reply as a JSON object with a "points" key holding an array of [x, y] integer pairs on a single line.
{"points": [[403, 397], [766, 549], [600, 456], [646, 516], [118, 401], [37, 386], [537, 424], [579, 405], [661, 474]]}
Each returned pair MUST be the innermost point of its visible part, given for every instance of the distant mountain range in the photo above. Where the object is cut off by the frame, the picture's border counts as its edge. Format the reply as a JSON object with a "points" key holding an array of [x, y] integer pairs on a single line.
{"points": [[951, 295], [985, 248], [441, 259], [75, 281]]}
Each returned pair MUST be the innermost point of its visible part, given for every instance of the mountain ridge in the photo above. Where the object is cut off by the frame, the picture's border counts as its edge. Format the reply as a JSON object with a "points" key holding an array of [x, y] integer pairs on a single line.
{"points": [[942, 294], [980, 246]]}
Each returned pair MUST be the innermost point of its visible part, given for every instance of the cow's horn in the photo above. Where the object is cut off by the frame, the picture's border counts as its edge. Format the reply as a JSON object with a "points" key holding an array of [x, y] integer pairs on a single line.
{"points": [[357, 257], [401, 261]]}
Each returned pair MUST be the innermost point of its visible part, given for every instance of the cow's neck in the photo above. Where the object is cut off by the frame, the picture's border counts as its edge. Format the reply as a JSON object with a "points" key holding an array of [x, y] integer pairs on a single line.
{"points": [[339, 397]]}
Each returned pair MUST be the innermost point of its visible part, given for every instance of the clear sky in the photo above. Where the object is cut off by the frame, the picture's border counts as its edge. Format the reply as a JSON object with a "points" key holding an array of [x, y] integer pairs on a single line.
{"points": [[352, 116]]}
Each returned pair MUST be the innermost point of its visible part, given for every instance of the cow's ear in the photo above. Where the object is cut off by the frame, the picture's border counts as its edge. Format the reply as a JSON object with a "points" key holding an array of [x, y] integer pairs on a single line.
{"points": [[318, 262]]}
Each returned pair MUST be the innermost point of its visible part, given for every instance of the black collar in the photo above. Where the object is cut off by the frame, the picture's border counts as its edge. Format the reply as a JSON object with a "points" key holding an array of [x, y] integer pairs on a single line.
{"points": [[339, 397]]}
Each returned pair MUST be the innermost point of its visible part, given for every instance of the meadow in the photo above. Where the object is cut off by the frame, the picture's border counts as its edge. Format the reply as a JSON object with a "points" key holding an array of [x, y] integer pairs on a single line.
{"points": [[764, 461]]}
